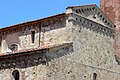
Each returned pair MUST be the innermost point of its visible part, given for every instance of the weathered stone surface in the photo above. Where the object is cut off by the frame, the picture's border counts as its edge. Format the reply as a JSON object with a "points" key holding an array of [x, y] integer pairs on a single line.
{"points": [[87, 48], [93, 52], [48, 33]]}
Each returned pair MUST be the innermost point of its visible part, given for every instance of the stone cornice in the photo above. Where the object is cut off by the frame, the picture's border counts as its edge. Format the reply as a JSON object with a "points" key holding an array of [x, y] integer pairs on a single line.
{"points": [[29, 25], [87, 10], [94, 26]]}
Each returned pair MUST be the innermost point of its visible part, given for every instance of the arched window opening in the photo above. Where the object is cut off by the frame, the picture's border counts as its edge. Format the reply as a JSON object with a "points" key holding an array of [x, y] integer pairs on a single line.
{"points": [[16, 75], [94, 76], [13, 47]]}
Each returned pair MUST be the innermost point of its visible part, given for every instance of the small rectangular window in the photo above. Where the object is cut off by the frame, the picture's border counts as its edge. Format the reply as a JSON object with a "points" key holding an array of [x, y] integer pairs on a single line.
{"points": [[33, 36]]}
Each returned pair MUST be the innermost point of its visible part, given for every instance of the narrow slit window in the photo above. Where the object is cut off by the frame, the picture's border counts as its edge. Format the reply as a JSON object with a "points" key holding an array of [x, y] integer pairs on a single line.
{"points": [[94, 76], [33, 36]]}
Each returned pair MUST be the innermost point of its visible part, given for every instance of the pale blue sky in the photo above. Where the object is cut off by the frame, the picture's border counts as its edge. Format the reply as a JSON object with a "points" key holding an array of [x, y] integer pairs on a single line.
{"points": [[18, 11]]}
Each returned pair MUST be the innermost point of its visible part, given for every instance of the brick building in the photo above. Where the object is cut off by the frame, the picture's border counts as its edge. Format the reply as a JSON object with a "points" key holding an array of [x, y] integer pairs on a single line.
{"points": [[111, 9], [75, 45]]}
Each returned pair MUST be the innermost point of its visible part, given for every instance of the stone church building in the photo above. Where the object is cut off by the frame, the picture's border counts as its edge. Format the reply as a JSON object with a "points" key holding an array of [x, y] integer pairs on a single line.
{"points": [[75, 45]]}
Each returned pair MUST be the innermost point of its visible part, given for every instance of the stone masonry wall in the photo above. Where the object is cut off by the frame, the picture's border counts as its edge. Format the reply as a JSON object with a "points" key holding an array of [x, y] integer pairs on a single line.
{"points": [[92, 53], [31, 66], [65, 68], [56, 33], [96, 48], [47, 32], [22, 38], [30, 73]]}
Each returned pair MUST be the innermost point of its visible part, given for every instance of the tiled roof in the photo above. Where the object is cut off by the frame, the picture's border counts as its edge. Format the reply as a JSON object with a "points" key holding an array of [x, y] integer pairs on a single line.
{"points": [[21, 24], [34, 49]]}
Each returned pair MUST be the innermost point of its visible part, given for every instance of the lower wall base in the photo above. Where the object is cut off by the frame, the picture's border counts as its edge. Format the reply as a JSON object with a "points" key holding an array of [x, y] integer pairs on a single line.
{"points": [[67, 70]]}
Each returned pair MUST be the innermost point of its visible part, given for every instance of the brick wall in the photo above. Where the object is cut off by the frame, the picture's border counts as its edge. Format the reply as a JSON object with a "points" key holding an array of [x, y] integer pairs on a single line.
{"points": [[112, 9]]}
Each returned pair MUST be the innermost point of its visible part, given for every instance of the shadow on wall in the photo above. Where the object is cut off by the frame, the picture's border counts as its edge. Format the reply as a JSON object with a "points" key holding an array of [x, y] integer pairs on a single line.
{"points": [[12, 38], [35, 58]]}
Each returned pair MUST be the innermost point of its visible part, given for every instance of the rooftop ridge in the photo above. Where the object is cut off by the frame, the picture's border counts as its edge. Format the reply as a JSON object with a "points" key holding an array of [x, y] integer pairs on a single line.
{"points": [[14, 26], [81, 6]]}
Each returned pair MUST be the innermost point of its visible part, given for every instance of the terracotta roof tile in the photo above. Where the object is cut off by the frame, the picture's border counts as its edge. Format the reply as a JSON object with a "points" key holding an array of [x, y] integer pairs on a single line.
{"points": [[21, 24], [34, 49]]}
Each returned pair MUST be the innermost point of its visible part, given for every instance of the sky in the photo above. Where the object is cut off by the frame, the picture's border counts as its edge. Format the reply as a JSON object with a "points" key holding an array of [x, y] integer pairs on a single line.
{"points": [[18, 11]]}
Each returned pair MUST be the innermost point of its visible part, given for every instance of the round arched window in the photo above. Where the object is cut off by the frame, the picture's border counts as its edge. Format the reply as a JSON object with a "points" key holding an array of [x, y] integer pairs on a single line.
{"points": [[13, 47], [16, 74]]}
